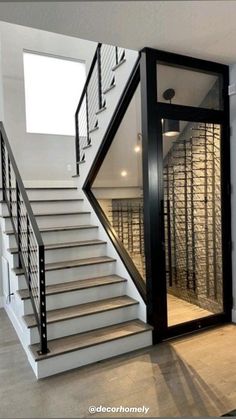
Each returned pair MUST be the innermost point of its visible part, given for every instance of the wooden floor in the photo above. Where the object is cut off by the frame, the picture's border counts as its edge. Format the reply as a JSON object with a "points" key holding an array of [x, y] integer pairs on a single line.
{"points": [[190, 376], [180, 311]]}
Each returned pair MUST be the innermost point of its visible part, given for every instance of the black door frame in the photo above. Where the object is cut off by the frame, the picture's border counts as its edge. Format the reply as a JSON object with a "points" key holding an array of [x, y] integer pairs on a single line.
{"points": [[152, 113]]}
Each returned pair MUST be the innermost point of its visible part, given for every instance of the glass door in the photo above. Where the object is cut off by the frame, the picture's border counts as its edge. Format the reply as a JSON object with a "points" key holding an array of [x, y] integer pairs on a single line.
{"points": [[192, 220]]}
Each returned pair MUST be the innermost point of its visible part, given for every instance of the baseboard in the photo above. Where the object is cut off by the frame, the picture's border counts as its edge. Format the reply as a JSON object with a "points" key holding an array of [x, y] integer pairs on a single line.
{"points": [[233, 315]]}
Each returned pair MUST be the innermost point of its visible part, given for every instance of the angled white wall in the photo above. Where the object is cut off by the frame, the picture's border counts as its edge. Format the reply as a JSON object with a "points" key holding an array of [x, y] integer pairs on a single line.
{"points": [[39, 157]]}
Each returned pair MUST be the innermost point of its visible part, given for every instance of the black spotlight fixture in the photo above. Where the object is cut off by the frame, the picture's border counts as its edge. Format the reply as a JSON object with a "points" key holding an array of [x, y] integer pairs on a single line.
{"points": [[170, 126]]}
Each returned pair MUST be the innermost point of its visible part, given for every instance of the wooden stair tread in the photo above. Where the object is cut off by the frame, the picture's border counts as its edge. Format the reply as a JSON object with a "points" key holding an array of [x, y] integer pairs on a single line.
{"points": [[62, 314], [87, 339], [108, 89], [45, 200], [45, 188], [60, 228], [71, 264], [80, 284], [54, 214], [119, 64], [67, 245]]}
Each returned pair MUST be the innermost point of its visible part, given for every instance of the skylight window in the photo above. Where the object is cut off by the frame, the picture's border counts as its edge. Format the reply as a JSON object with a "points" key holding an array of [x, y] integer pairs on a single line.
{"points": [[52, 90]]}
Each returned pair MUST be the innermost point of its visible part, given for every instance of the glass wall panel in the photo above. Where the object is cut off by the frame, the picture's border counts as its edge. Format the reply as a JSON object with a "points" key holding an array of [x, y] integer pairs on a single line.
{"points": [[191, 88], [118, 186], [192, 220]]}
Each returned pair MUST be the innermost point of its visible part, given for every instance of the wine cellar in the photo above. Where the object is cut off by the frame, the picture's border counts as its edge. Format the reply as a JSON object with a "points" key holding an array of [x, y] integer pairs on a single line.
{"points": [[192, 218], [192, 214]]}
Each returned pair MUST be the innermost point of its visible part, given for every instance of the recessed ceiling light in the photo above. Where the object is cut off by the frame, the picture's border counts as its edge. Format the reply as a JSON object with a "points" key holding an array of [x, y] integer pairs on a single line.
{"points": [[123, 173], [137, 148]]}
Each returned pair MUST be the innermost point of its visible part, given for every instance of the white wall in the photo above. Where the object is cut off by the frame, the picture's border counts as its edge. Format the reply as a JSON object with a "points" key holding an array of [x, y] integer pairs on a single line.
{"points": [[233, 183], [1, 84], [39, 157]]}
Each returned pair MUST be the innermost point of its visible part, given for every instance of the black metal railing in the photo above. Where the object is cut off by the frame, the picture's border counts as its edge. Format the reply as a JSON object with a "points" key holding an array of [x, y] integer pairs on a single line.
{"points": [[100, 79], [30, 245]]}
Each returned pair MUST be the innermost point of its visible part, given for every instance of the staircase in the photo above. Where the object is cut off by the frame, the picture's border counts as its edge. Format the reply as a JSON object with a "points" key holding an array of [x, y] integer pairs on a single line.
{"points": [[93, 310]]}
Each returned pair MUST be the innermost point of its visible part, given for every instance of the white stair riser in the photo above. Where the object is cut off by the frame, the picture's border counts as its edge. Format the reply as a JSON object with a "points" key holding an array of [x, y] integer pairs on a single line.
{"points": [[86, 323], [70, 235], [55, 221], [73, 274], [53, 193], [60, 236], [45, 207], [71, 253], [75, 253], [93, 354], [72, 298]]}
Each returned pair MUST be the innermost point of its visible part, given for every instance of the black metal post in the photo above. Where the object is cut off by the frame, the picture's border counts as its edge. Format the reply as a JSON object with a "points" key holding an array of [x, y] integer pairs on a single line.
{"points": [[99, 77], [42, 302], [77, 142], [87, 117], [153, 199]]}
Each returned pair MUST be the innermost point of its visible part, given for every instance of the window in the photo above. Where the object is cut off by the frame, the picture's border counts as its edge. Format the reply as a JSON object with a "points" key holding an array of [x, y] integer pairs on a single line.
{"points": [[52, 90]]}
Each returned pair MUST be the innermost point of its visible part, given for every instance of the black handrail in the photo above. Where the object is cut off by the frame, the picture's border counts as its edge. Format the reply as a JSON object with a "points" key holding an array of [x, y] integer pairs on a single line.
{"points": [[88, 79], [31, 249], [100, 79]]}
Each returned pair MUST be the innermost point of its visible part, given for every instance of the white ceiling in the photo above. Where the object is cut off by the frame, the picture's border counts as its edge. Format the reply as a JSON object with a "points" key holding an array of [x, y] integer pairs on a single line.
{"points": [[205, 29]]}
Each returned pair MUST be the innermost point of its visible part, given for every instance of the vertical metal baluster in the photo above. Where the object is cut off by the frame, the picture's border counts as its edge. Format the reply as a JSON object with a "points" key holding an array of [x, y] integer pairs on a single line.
{"points": [[3, 163], [18, 214], [99, 67]]}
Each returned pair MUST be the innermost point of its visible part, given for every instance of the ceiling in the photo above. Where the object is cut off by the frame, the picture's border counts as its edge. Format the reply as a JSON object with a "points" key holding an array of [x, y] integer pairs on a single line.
{"points": [[204, 29]]}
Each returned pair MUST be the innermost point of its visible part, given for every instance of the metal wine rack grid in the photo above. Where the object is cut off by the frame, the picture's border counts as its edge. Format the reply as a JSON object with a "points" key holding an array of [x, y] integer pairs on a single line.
{"points": [[192, 214], [126, 216]]}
